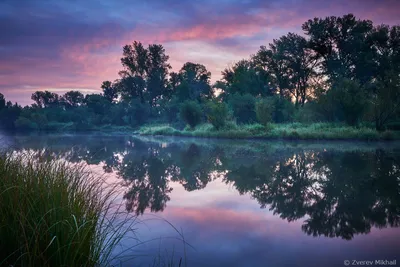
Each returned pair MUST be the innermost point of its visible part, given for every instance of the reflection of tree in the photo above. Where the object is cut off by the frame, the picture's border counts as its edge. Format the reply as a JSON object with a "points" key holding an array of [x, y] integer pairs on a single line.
{"points": [[340, 194], [147, 180], [194, 168]]}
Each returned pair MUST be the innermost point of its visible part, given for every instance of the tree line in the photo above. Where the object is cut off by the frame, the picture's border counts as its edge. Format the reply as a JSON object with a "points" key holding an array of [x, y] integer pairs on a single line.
{"points": [[342, 69]]}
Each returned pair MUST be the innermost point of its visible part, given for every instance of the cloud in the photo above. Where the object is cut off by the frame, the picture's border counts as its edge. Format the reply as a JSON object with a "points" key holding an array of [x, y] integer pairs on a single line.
{"points": [[77, 44]]}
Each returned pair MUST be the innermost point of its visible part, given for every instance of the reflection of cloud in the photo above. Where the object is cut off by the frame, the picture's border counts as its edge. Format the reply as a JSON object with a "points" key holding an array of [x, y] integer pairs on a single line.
{"points": [[224, 237]]}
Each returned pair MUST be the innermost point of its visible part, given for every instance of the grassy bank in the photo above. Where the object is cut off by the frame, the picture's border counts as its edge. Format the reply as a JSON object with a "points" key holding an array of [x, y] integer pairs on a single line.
{"points": [[54, 214], [292, 131]]}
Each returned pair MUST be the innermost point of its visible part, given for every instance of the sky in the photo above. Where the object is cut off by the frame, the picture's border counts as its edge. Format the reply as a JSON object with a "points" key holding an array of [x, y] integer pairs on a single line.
{"points": [[68, 45]]}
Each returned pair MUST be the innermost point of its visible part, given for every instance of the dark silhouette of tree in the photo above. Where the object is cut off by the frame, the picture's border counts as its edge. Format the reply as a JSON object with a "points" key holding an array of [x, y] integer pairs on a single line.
{"points": [[110, 91], [45, 99], [2, 101], [246, 78], [194, 82], [73, 99]]}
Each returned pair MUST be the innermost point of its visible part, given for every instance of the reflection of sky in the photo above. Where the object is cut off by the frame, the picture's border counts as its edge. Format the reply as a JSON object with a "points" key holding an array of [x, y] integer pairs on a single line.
{"points": [[227, 229]]}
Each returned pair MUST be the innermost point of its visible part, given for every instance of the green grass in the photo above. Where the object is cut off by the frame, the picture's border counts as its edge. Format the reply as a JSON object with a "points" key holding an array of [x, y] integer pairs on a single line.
{"points": [[55, 214], [292, 131]]}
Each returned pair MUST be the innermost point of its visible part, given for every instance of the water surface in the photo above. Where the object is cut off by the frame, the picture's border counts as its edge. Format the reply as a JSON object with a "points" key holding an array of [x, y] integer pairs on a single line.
{"points": [[246, 203]]}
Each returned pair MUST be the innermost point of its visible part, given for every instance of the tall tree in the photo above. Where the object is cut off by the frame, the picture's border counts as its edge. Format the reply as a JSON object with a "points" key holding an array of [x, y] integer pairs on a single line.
{"points": [[386, 84], [2, 101], [73, 99], [134, 74], [244, 77], [157, 73], [110, 91], [300, 63], [45, 99], [194, 82], [271, 62], [343, 46]]}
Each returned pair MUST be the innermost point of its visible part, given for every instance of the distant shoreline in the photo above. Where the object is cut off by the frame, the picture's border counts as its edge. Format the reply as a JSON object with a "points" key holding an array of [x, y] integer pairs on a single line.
{"points": [[312, 132]]}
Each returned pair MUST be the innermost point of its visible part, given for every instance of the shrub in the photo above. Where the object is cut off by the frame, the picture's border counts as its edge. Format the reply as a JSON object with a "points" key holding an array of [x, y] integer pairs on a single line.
{"points": [[283, 109], [191, 113], [264, 110], [346, 101], [243, 107], [217, 113]]}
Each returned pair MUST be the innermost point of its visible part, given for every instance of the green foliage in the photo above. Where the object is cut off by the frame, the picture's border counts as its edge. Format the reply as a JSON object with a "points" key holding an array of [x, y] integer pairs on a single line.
{"points": [[9, 114], [73, 99], [137, 113], [264, 110], [245, 78], [217, 113], [191, 113], [295, 131], [283, 109], [54, 214], [347, 100], [386, 100], [243, 107], [342, 70]]}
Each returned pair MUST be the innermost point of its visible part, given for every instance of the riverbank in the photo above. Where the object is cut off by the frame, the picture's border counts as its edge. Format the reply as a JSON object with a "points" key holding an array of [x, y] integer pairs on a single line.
{"points": [[292, 131]]}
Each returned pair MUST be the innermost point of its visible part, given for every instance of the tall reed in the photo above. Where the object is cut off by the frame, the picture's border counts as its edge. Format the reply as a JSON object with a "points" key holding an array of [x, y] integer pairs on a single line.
{"points": [[54, 213]]}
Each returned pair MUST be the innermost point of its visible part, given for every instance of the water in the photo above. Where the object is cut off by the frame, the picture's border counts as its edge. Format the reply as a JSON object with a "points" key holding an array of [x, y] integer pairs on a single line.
{"points": [[246, 203]]}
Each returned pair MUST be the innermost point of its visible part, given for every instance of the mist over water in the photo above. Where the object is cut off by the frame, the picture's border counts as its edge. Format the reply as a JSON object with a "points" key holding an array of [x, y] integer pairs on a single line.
{"points": [[245, 203]]}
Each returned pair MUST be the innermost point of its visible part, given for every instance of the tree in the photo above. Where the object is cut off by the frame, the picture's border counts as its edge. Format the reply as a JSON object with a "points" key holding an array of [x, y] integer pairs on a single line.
{"points": [[264, 109], [157, 72], [300, 63], [245, 78], [385, 89], [45, 99], [97, 103], [191, 113], [346, 100], [194, 82], [217, 113], [243, 108], [271, 62], [2, 101], [386, 100], [343, 46], [110, 91], [73, 99], [134, 74]]}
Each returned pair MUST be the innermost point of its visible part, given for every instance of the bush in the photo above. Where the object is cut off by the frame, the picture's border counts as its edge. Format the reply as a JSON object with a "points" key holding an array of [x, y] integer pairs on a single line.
{"points": [[191, 113], [346, 101], [307, 114], [264, 110], [283, 109], [243, 107], [138, 112], [217, 114]]}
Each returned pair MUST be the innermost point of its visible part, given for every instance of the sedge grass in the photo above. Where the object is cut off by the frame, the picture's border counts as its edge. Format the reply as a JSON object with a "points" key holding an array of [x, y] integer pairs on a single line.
{"points": [[291, 131], [55, 214]]}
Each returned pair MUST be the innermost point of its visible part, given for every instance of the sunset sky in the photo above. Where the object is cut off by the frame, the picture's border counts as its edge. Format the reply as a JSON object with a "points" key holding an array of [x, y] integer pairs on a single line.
{"points": [[74, 45]]}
